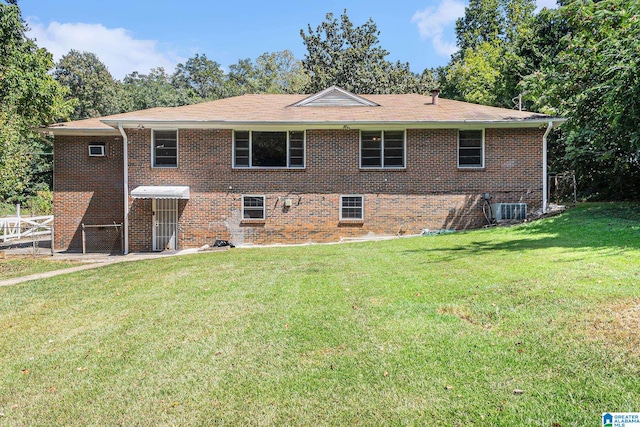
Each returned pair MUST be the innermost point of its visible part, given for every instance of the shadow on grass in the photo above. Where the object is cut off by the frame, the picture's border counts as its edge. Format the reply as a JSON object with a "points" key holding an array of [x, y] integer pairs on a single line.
{"points": [[615, 227]]}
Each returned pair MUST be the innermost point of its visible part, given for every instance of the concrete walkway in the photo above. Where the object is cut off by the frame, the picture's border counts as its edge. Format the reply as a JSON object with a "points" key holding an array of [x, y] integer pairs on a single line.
{"points": [[90, 262]]}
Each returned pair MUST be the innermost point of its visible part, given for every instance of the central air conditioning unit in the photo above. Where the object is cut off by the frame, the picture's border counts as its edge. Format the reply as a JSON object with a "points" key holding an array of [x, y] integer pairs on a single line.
{"points": [[502, 211]]}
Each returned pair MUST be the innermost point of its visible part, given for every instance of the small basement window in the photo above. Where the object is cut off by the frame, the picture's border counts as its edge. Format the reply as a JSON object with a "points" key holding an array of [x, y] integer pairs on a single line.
{"points": [[96, 150], [253, 208], [352, 208]]}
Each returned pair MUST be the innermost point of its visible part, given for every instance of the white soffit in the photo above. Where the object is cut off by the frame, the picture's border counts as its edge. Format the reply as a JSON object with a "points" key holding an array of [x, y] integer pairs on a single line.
{"points": [[160, 192]]}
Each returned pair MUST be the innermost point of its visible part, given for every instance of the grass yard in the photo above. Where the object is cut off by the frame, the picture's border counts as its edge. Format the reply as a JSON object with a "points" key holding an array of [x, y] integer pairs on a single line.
{"points": [[27, 265], [530, 325]]}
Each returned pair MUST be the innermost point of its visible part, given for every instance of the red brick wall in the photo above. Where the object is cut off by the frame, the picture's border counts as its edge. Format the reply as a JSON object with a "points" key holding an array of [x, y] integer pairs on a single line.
{"points": [[86, 189], [432, 192]]}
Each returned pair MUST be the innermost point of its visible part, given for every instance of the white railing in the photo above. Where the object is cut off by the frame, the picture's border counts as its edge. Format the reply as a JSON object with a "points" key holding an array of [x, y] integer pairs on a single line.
{"points": [[17, 227]]}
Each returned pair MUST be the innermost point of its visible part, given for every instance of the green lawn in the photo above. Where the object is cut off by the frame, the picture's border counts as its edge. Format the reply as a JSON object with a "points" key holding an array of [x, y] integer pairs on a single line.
{"points": [[27, 265], [418, 331]]}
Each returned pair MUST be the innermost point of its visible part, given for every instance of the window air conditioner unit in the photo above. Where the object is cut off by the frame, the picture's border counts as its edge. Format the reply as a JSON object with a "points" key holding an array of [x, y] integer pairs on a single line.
{"points": [[502, 211]]}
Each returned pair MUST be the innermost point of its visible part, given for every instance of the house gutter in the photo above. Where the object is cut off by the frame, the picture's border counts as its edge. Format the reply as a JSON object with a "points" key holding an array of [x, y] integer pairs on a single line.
{"points": [[329, 124], [125, 144], [545, 181]]}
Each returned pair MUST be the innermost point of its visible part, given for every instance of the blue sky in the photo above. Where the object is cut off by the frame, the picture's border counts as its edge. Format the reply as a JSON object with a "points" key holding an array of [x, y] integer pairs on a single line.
{"points": [[139, 35]]}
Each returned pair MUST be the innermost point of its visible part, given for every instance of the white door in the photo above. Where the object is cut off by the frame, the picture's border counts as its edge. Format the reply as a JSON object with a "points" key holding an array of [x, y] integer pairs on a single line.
{"points": [[165, 224]]}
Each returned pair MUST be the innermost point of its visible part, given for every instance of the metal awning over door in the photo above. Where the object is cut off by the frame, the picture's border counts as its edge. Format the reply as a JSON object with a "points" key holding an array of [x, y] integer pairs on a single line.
{"points": [[160, 192]]}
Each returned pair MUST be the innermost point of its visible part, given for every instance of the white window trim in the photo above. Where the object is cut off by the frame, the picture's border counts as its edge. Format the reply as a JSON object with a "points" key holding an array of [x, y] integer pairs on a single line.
{"points": [[153, 151], [264, 207], [404, 150], [482, 154], [102, 148], [288, 167], [342, 196]]}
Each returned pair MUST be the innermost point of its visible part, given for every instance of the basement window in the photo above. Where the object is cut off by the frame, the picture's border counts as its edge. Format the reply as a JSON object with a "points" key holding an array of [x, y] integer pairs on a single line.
{"points": [[253, 208], [266, 149], [471, 148], [382, 149], [96, 150], [351, 208]]}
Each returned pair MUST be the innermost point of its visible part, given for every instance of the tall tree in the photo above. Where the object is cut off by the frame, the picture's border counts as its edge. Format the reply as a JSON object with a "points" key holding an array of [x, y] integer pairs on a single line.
{"points": [[29, 98], [489, 65], [199, 77], [482, 22], [595, 82], [153, 90], [90, 83], [280, 72], [241, 78], [341, 54]]}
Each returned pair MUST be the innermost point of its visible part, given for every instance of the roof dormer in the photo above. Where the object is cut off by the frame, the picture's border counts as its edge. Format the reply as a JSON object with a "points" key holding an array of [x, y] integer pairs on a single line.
{"points": [[335, 97]]}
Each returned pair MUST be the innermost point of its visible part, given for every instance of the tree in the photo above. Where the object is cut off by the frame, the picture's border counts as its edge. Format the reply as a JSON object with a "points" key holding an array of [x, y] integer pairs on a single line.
{"points": [[199, 77], [241, 79], [341, 54], [475, 78], [29, 98], [489, 65], [280, 72], [482, 22], [595, 82], [90, 83], [153, 90]]}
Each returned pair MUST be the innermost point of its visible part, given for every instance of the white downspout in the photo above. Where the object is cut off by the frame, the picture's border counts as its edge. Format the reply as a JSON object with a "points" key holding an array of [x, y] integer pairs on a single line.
{"points": [[125, 143], [545, 190]]}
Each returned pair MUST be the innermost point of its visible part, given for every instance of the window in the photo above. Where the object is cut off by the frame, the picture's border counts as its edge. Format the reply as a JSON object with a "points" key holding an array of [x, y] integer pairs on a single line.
{"points": [[382, 149], [96, 150], [351, 208], [253, 207], [165, 148], [470, 149], [262, 149]]}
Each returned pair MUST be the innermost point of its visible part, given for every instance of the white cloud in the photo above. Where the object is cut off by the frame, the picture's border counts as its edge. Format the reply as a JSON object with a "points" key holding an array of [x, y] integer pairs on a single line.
{"points": [[433, 21], [116, 47]]}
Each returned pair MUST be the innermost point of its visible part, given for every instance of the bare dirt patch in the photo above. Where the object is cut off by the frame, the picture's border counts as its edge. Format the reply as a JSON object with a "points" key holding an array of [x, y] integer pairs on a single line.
{"points": [[617, 325]]}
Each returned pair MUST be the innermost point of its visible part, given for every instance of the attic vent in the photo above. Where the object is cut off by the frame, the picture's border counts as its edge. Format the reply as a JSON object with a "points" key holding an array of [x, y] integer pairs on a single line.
{"points": [[502, 211], [335, 97]]}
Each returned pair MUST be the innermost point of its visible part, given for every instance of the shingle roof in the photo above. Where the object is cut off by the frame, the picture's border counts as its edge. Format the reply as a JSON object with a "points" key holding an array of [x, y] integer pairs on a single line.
{"points": [[267, 109]]}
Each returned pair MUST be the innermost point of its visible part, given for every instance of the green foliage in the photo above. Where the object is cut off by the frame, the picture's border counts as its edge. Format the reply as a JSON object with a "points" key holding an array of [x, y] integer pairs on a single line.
{"points": [[154, 90], [280, 72], [41, 203], [275, 72], [241, 78], [199, 78], [344, 55], [89, 84], [483, 22], [594, 80], [475, 78], [490, 64], [29, 97]]}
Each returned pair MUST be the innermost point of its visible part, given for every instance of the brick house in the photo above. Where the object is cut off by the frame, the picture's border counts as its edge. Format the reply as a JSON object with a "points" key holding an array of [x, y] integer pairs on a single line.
{"points": [[262, 169]]}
